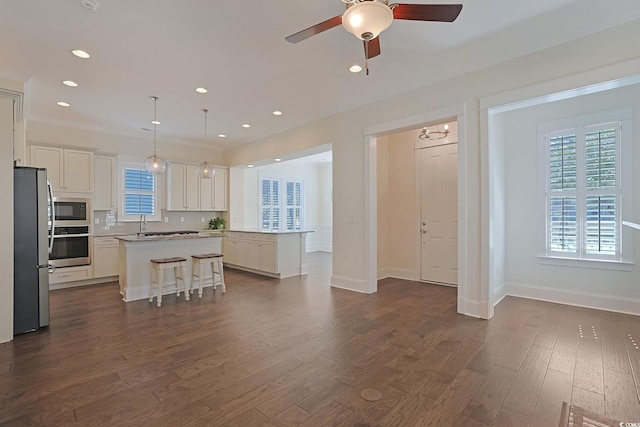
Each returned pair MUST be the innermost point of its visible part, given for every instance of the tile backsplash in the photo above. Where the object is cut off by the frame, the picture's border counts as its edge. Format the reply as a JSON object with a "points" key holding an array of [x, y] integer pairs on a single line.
{"points": [[107, 223]]}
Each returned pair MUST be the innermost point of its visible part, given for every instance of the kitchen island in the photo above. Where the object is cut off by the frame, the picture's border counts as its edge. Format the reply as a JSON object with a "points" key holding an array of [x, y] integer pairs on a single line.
{"points": [[136, 251], [270, 253]]}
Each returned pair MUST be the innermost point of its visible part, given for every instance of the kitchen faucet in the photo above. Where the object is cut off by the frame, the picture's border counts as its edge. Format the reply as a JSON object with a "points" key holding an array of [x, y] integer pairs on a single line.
{"points": [[143, 220]]}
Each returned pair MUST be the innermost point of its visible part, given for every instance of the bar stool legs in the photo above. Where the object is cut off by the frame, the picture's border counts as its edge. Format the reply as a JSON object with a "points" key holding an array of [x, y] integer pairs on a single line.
{"points": [[197, 272], [158, 266]]}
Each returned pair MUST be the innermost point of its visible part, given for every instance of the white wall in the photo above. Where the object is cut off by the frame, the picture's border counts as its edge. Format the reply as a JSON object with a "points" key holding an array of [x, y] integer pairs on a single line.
{"points": [[524, 275], [346, 132], [6, 219]]}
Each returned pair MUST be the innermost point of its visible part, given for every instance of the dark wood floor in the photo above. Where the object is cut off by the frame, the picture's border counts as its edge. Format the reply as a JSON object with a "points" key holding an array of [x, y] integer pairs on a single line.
{"points": [[297, 352]]}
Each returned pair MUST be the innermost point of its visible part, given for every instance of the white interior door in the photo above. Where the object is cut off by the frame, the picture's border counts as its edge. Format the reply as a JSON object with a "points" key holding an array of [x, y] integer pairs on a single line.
{"points": [[439, 214]]}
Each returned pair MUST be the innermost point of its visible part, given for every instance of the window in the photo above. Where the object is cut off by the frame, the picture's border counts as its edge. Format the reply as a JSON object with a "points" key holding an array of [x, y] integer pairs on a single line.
{"points": [[139, 193], [583, 190], [273, 203]]}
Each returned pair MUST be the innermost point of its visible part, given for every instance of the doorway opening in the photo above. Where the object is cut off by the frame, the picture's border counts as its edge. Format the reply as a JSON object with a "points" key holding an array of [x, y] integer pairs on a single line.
{"points": [[417, 205]]}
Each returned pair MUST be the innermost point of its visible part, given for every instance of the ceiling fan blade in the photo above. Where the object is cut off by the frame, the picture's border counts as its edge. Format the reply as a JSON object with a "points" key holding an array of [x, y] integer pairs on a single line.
{"points": [[316, 29], [427, 12], [374, 48]]}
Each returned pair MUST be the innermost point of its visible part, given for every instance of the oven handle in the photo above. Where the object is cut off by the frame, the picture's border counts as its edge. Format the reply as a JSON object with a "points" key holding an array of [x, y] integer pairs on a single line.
{"points": [[53, 216], [58, 236]]}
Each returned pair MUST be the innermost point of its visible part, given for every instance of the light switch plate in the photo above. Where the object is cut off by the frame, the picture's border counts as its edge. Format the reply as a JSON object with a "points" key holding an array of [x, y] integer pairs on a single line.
{"points": [[201, 219], [181, 219], [166, 219], [96, 221]]}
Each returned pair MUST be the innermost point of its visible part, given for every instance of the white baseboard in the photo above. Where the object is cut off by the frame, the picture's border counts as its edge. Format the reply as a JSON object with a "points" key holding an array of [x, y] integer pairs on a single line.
{"points": [[479, 309], [398, 273], [319, 247], [580, 299], [78, 283], [349, 284]]}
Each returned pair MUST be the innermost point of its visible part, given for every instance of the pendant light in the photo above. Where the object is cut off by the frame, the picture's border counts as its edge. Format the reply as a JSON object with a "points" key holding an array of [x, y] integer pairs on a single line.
{"points": [[205, 170], [155, 164]]}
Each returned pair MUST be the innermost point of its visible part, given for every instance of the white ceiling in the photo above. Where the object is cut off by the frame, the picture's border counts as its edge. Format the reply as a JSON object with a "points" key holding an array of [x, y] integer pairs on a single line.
{"points": [[237, 50]]}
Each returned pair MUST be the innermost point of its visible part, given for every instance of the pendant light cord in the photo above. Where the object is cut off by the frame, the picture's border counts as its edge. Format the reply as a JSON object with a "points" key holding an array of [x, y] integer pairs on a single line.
{"points": [[155, 123]]}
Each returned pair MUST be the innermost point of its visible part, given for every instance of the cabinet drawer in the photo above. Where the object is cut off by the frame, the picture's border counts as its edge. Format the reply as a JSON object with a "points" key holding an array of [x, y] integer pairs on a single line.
{"points": [[106, 241], [70, 274], [234, 235], [269, 238], [254, 236]]}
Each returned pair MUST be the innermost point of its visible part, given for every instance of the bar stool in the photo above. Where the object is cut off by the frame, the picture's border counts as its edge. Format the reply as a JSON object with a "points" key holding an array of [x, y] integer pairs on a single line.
{"points": [[158, 266], [197, 271]]}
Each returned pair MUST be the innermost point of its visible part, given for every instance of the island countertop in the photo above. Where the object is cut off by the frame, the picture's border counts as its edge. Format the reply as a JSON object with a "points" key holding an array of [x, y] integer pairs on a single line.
{"points": [[237, 230], [176, 236]]}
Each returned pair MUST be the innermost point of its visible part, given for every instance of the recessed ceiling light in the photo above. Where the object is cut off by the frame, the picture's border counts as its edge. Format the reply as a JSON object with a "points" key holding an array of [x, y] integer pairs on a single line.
{"points": [[155, 122], [63, 104], [81, 54], [278, 159], [249, 165], [222, 135], [277, 113], [246, 125], [201, 90], [355, 68], [70, 83]]}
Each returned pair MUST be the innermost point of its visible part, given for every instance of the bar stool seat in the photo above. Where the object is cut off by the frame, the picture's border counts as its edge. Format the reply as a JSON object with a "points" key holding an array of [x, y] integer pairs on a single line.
{"points": [[158, 267], [197, 272]]}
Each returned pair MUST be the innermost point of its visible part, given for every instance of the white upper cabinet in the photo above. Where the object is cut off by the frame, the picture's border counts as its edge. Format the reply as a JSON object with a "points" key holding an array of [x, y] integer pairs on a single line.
{"points": [[183, 188], [68, 170], [105, 179], [213, 191]]}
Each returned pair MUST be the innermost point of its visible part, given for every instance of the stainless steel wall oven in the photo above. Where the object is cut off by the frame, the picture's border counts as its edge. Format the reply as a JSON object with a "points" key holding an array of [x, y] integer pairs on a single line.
{"points": [[71, 226]]}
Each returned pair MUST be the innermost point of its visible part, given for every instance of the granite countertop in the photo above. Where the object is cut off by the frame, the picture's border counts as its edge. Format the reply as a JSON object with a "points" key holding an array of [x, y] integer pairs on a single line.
{"points": [[267, 232], [199, 235]]}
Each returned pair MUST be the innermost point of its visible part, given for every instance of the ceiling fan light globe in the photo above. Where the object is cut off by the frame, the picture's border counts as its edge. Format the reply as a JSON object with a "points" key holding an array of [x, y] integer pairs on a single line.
{"points": [[366, 20]]}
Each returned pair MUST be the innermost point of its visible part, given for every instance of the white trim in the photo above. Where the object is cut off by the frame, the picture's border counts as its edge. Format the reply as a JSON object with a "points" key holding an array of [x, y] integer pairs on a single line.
{"points": [[349, 284], [473, 308], [399, 273], [575, 298], [601, 264], [371, 213], [592, 81]]}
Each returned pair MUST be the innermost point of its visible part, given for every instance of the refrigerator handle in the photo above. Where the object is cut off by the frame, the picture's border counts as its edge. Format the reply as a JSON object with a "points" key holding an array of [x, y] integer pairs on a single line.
{"points": [[53, 215]]}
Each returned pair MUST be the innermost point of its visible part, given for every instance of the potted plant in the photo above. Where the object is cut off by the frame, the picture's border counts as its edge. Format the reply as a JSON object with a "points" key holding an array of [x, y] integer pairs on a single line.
{"points": [[217, 223]]}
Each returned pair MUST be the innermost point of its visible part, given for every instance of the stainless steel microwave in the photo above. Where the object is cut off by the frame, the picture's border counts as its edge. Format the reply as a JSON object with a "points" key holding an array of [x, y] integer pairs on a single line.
{"points": [[71, 211]]}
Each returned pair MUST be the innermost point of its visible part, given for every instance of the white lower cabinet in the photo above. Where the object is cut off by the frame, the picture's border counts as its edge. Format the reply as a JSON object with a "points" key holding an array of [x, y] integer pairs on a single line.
{"points": [[275, 255], [70, 274], [105, 257]]}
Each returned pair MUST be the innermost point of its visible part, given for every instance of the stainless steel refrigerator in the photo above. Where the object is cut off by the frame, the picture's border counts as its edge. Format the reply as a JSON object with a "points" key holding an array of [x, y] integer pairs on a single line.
{"points": [[32, 198]]}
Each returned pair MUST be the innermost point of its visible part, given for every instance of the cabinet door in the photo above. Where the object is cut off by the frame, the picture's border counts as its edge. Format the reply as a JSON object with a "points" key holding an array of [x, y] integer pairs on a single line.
{"points": [[51, 159], [220, 190], [253, 255], [268, 257], [241, 253], [192, 188], [229, 250], [78, 172], [206, 194], [175, 188], [104, 196], [105, 259]]}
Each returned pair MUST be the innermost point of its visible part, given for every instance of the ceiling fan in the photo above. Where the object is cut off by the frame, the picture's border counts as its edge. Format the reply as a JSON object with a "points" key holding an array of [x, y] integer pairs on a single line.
{"points": [[366, 19]]}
